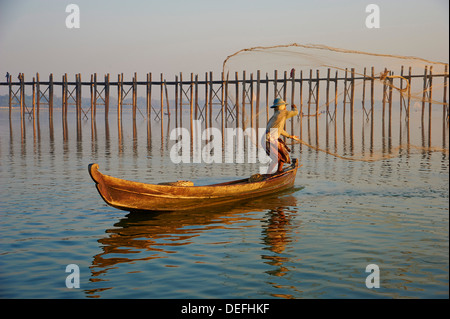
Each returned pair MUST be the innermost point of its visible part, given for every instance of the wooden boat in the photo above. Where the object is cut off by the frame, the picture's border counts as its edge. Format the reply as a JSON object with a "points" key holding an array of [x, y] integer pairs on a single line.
{"points": [[135, 196]]}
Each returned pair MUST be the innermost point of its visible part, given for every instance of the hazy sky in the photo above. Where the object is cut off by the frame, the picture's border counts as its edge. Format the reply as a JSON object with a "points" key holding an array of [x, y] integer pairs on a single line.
{"points": [[173, 36]]}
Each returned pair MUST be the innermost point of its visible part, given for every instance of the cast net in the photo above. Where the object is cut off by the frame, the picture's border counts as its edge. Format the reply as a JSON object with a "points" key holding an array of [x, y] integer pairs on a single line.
{"points": [[353, 105]]}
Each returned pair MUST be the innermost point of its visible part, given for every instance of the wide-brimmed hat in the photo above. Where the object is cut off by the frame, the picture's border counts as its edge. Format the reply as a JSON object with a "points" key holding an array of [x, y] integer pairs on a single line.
{"points": [[278, 102]]}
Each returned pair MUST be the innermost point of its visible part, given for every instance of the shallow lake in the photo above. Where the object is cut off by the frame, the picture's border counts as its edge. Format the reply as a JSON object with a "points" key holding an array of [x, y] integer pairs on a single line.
{"points": [[313, 241]]}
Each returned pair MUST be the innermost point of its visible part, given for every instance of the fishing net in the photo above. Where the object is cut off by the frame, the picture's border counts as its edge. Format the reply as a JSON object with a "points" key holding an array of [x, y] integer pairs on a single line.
{"points": [[353, 105]]}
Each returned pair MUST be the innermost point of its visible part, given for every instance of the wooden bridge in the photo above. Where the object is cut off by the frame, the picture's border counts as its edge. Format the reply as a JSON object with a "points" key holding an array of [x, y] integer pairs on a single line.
{"points": [[238, 99]]}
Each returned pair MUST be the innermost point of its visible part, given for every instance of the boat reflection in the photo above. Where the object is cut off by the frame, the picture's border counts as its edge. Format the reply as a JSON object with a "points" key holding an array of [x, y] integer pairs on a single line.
{"points": [[277, 235], [146, 236]]}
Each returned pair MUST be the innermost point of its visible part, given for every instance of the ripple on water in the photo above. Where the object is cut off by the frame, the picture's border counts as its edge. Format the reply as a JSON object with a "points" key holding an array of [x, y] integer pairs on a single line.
{"points": [[312, 242]]}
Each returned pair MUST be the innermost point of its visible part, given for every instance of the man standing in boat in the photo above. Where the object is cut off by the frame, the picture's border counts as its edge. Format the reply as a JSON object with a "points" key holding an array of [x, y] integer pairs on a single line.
{"points": [[275, 129]]}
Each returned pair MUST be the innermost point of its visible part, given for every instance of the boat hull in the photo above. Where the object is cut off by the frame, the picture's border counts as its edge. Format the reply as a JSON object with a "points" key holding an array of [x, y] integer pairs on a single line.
{"points": [[136, 196]]}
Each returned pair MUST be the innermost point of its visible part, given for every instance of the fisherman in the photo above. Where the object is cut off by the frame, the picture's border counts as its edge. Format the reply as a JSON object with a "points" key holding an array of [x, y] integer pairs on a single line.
{"points": [[274, 143]]}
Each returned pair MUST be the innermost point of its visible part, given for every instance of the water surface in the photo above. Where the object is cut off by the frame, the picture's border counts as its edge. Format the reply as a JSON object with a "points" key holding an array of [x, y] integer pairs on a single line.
{"points": [[313, 241]]}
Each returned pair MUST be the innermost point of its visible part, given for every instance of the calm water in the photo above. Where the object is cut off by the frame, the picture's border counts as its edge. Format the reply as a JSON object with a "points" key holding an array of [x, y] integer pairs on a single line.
{"points": [[313, 241]]}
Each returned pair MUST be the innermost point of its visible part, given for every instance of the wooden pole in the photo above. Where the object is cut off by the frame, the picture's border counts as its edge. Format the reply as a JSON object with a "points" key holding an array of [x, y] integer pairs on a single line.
{"points": [[345, 91], [205, 111], [317, 95], [167, 100], [50, 97], [78, 89], [35, 118], [64, 97], [38, 91], [134, 90], [91, 87], [317, 107], [162, 107], [77, 106], [176, 100], [401, 91], [292, 98], [191, 105], [222, 105], [225, 95], [372, 82], [409, 93], [21, 102], [430, 102], [251, 101], [352, 108], [301, 106], [363, 102], [226, 102], [284, 85], [328, 94], [22, 95], [237, 99], [258, 92], [424, 90], [267, 97], [210, 98], [34, 98], [243, 100], [344, 132], [35, 121], [80, 97], [149, 95], [352, 101], [408, 129], [10, 96], [372, 88], [275, 84], [94, 113], [309, 92], [196, 96], [63, 100], [76, 95], [391, 83], [181, 99], [335, 96], [107, 92], [445, 108], [384, 99], [119, 96]]}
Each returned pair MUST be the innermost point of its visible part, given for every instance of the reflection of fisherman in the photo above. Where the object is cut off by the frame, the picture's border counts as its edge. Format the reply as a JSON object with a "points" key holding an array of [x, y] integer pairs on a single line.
{"points": [[276, 234], [274, 144]]}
